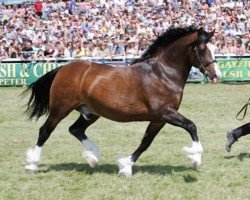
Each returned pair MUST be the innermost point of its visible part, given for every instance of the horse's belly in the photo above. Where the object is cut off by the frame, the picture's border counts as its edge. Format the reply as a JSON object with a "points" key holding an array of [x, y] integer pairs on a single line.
{"points": [[122, 112]]}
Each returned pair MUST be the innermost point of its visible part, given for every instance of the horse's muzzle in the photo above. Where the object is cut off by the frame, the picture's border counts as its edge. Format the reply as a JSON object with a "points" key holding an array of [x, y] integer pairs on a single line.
{"points": [[214, 79]]}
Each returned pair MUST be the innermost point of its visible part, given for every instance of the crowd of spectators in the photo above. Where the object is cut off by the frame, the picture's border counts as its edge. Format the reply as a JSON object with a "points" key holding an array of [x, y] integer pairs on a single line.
{"points": [[108, 28]]}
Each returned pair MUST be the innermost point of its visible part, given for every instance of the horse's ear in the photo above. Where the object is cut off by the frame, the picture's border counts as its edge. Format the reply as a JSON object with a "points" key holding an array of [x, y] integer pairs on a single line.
{"points": [[210, 34], [200, 31]]}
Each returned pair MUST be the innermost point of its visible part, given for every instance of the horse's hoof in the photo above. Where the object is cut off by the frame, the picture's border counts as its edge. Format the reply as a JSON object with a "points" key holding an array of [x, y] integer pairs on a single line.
{"points": [[125, 172], [228, 148], [91, 159], [194, 160], [193, 164], [125, 166], [31, 168]]}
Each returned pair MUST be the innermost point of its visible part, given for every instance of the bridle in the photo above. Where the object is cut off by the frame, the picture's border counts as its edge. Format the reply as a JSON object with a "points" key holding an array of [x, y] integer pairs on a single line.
{"points": [[203, 65]]}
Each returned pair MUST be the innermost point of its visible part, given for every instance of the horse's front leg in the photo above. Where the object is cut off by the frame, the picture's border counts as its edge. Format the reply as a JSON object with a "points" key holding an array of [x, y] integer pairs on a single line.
{"points": [[125, 164], [194, 152]]}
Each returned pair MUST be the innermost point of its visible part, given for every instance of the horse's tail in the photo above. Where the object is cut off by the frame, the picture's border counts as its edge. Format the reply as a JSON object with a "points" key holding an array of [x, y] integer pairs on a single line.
{"points": [[38, 103]]}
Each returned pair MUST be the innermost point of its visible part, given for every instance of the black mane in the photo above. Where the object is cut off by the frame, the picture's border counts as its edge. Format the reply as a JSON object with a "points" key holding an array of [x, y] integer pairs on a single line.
{"points": [[164, 40]]}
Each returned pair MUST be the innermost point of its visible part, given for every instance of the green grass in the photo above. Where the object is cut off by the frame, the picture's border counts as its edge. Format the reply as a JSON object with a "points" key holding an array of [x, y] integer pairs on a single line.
{"points": [[162, 172]]}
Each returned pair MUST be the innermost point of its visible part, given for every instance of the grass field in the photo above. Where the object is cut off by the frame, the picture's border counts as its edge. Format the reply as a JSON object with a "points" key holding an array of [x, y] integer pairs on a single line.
{"points": [[162, 172]]}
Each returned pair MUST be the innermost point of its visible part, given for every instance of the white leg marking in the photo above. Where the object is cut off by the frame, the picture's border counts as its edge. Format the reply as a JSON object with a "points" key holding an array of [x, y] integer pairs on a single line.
{"points": [[125, 166], [32, 158], [194, 154], [92, 152], [196, 148]]}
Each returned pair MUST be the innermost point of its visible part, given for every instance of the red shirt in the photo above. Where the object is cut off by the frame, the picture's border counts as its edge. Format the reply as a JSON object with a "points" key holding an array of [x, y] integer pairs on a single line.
{"points": [[38, 6]]}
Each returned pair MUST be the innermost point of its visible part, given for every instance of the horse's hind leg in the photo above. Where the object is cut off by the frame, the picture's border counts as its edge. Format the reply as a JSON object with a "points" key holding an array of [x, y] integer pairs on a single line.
{"points": [[78, 130], [33, 155]]}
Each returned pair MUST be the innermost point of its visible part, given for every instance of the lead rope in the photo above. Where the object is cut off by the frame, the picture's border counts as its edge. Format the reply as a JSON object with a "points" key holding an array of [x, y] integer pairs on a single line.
{"points": [[245, 111]]}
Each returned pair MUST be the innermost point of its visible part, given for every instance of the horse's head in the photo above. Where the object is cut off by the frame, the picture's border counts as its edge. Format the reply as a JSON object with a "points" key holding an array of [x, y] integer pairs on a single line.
{"points": [[202, 57]]}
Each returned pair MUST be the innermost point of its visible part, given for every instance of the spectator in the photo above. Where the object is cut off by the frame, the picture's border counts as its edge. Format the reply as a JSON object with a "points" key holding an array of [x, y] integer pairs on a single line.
{"points": [[5, 46], [57, 47], [67, 50], [118, 48], [95, 50], [38, 7], [39, 55], [143, 45], [104, 51], [78, 50], [228, 48], [247, 43], [132, 48], [88, 49], [49, 51], [239, 49], [27, 50], [59, 53], [72, 7], [3, 53], [37, 45], [14, 50]]}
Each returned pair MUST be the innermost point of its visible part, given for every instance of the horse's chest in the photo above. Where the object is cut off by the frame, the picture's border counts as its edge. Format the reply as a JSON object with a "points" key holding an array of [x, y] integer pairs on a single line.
{"points": [[160, 101]]}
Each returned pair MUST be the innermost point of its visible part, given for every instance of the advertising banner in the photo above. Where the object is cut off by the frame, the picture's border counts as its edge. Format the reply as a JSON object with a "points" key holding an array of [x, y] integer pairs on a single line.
{"points": [[19, 74], [236, 69]]}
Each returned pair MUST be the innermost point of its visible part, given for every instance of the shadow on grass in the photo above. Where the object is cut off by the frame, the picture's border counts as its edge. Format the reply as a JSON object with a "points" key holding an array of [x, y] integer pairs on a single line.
{"points": [[229, 157], [80, 167], [160, 169], [241, 156], [113, 169], [189, 178]]}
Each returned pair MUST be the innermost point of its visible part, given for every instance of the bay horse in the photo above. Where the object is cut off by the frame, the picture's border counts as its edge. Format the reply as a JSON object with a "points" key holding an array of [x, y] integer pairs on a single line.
{"points": [[149, 89]]}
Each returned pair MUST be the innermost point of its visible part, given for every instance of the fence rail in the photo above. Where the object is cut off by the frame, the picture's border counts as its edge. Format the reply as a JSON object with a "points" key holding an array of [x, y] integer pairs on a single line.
{"points": [[111, 59]]}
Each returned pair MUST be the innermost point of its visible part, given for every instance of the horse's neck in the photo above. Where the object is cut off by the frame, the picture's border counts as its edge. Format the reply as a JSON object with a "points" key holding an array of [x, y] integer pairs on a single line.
{"points": [[173, 66]]}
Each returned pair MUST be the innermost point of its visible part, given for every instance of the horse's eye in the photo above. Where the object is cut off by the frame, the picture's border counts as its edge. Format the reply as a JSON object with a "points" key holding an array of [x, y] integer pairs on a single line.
{"points": [[202, 52]]}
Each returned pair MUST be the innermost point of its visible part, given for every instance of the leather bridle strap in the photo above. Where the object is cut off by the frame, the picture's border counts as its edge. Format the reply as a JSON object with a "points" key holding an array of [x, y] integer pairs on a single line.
{"points": [[203, 65]]}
